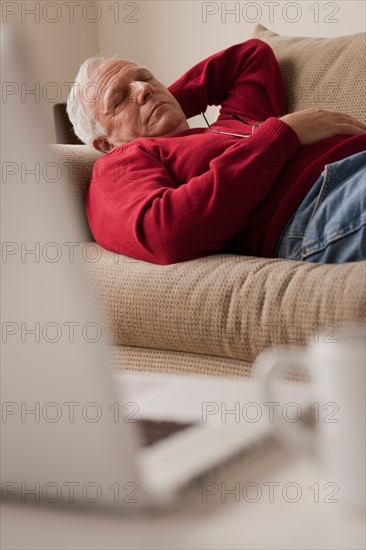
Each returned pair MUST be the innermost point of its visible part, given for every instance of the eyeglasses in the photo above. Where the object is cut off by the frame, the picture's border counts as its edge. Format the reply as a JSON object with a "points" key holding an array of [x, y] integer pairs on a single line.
{"points": [[229, 133]]}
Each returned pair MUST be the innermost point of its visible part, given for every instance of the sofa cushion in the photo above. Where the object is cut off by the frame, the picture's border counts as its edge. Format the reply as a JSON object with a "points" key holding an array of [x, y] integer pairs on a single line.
{"points": [[321, 72], [226, 305]]}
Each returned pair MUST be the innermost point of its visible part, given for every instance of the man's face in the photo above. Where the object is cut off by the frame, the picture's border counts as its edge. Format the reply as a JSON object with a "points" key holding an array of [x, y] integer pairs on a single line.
{"points": [[130, 102]]}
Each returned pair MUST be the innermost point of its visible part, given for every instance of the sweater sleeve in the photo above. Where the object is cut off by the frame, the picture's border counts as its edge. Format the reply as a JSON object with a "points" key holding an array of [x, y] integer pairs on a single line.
{"points": [[150, 218], [244, 79]]}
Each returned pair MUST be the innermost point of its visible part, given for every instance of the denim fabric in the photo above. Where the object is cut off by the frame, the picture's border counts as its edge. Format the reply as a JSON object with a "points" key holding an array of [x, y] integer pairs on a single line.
{"points": [[329, 226]]}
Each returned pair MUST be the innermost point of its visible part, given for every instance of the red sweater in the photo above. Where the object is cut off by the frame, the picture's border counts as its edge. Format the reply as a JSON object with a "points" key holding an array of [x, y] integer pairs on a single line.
{"points": [[194, 193]]}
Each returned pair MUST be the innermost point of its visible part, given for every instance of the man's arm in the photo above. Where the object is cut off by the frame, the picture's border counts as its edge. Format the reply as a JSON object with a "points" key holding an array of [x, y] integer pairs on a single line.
{"points": [[244, 79]]}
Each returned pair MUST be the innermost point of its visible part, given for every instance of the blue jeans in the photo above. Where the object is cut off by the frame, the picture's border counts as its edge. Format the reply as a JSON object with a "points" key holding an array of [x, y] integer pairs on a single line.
{"points": [[329, 226]]}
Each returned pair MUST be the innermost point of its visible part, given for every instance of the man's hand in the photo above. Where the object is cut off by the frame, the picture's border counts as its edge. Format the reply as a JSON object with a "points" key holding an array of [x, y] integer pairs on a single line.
{"points": [[312, 125]]}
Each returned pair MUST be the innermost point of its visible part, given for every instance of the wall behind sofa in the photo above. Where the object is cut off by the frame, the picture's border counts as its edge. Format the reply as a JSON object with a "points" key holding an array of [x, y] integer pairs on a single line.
{"points": [[57, 38]]}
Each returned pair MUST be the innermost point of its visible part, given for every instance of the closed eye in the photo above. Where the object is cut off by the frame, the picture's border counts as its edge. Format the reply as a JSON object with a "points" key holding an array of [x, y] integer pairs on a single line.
{"points": [[144, 75], [122, 95], [145, 78], [119, 99]]}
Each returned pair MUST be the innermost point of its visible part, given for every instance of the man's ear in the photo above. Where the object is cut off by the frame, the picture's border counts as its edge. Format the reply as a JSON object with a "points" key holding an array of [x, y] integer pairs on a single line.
{"points": [[103, 145]]}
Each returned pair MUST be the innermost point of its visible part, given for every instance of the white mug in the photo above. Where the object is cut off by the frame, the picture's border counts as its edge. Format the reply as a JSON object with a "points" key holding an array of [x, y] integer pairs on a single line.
{"points": [[337, 373]]}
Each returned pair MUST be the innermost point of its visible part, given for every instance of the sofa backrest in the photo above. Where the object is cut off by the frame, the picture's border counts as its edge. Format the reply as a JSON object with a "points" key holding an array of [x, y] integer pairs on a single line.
{"points": [[321, 72]]}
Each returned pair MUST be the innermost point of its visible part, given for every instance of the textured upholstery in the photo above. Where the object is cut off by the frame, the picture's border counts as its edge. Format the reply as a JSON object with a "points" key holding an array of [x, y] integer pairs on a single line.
{"points": [[226, 305], [175, 362], [76, 162], [321, 72], [215, 314]]}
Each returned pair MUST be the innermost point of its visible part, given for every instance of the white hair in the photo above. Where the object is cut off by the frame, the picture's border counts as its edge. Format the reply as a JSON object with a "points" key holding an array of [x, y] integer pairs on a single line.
{"points": [[80, 112]]}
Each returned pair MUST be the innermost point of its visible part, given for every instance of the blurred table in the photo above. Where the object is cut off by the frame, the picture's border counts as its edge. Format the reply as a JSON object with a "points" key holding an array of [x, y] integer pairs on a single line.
{"points": [[287, 504]]}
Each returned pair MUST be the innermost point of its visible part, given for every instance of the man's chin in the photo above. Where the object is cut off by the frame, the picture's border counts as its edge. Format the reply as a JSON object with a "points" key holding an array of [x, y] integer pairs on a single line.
{"points": [[168, 125]]}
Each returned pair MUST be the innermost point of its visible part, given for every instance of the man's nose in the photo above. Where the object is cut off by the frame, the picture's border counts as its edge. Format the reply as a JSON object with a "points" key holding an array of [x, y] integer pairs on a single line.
{"points": [[140, 91]]}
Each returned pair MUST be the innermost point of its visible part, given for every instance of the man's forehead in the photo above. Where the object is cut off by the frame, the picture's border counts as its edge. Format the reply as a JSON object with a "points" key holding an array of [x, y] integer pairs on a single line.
{"points": [[113, 66]]}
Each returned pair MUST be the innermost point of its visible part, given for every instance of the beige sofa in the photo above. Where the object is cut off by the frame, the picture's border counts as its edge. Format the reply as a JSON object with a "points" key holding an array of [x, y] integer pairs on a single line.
{"points": [[215, 314]]}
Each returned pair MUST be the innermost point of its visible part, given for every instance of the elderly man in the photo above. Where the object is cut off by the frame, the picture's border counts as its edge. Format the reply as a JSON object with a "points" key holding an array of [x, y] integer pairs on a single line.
{"points": [[257, 182]]}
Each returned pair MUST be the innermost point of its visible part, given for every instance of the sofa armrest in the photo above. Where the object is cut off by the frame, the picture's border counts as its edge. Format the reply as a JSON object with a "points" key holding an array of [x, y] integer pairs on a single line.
{"points": [[76, 164]]}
